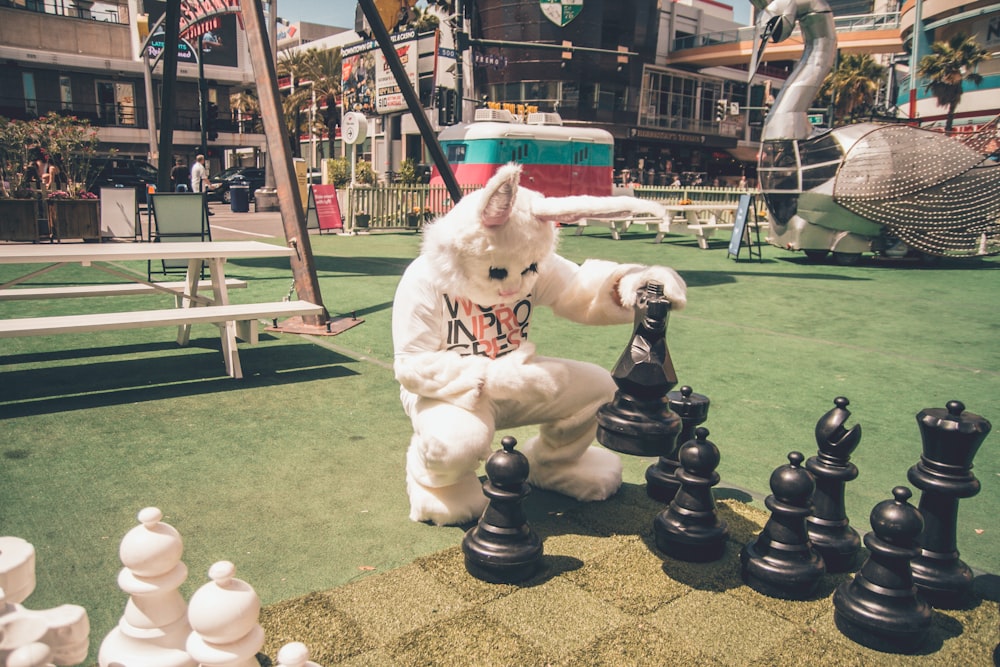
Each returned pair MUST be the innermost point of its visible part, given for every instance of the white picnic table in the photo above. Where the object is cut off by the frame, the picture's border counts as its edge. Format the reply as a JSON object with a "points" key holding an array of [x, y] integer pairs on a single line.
{"points": [[191, 307]]}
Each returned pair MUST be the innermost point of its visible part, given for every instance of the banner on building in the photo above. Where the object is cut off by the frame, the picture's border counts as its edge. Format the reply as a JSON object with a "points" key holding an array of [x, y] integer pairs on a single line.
{"points": [[367, 83]]}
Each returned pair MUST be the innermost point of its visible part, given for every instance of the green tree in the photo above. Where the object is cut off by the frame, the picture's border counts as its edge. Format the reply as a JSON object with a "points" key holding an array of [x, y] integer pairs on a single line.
{"points": [[292, 64], [949, 65], [851, 88]]}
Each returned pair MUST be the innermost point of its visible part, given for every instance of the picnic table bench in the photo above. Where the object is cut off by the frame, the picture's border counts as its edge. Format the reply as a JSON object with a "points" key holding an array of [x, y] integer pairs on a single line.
{"points": [[234, 320]]}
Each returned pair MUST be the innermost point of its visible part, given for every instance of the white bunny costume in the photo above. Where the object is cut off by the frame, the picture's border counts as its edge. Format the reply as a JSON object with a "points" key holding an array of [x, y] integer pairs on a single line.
{"points": [[460, 326]]}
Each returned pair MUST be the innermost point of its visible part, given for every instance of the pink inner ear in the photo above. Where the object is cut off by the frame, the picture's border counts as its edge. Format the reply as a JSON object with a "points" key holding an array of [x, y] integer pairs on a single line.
{"points": [[495, 220]]}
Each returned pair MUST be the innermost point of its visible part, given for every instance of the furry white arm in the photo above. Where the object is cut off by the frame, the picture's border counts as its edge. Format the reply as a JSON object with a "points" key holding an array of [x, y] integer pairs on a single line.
{"points": [[447, 376], [519, 375]]}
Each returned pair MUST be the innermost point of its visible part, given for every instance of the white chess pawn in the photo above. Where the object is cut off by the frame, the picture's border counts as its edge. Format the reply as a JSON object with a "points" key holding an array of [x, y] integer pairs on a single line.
{"points": [[223, 615], [295, 654], [35, 654], [154, 628]]}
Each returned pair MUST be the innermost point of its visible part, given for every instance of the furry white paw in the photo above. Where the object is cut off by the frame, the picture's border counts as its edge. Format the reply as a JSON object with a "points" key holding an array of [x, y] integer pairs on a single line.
{"points": [[595, 475], [447, 505], [674, 287]]}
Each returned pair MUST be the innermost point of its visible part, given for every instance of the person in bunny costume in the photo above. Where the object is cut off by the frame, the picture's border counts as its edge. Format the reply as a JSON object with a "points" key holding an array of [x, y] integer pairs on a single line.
{"points": [[460, 325]]}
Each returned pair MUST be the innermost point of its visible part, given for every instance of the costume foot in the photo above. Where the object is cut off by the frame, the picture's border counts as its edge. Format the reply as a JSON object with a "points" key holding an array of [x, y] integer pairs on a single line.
{"points": [[446, 505], [595, 475]]}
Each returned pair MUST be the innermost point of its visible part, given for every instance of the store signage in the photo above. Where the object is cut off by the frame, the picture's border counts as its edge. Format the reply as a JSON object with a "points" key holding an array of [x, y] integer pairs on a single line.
{"points": [[561, 12]]}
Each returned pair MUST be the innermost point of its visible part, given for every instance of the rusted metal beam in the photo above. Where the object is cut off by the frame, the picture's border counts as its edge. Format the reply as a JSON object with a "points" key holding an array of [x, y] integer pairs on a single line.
{"points": [[289, 200]]}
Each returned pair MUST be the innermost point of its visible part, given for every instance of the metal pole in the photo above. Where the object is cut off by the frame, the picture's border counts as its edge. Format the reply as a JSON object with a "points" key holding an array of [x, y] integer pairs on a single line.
{"points": [[168, 104], [412, 101], [147, 77], [202, 94], [289, 199]]}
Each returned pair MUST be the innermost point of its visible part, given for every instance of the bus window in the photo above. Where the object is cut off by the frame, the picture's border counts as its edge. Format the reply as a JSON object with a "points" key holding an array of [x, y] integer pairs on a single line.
{"points": [[456, 153]]}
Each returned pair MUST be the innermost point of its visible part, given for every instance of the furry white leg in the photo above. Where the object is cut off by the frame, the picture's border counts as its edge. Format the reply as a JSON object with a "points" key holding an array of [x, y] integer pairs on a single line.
{"points": [[595, 474], [445, 452], [446, 505], [561, 457]]}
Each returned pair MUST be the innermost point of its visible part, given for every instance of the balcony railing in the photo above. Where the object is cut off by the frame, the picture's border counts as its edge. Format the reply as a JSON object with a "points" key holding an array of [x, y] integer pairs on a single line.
{"points": [[854, 23], [70, 9]]}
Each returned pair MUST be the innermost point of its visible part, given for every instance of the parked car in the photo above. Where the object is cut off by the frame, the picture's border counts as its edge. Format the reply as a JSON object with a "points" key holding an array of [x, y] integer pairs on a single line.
{"points": [[119, 172], [219, 184]]}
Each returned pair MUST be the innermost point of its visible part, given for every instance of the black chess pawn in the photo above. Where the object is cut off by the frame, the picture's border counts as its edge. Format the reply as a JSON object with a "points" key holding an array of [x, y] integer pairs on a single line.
{"points": [[638, 420], [690, 529], [829, 528], [951, 437], [502, 548], [781, 562], [880, 608], [692, 408]]}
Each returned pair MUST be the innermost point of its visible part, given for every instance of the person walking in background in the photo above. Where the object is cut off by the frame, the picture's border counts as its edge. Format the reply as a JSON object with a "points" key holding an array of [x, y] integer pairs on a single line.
{"points": [[179, 176], [199, 176]]}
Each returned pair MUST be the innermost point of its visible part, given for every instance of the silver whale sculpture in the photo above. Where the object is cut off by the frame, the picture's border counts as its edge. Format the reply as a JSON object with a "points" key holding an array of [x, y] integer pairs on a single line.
{"points": [[864, 187]]}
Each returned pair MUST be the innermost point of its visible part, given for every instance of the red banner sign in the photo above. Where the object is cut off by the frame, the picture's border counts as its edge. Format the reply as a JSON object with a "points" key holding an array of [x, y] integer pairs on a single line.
{"points": [[324, 201]]}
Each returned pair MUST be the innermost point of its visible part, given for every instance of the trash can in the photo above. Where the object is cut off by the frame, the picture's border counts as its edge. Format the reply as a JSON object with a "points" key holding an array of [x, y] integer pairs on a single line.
{"points": [[239, 197]]}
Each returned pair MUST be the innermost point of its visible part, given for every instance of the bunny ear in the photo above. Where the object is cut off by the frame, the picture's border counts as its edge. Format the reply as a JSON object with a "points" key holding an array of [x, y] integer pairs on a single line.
{"points": [[499, 194], [565, 210]]}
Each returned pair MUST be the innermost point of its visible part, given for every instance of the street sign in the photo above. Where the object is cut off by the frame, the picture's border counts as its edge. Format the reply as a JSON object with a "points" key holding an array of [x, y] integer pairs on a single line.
{"points": [[815, 119]]}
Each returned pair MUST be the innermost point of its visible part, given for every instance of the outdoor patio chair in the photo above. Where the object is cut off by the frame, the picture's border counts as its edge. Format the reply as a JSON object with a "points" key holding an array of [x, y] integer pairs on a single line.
{"points": [[178, 216]]}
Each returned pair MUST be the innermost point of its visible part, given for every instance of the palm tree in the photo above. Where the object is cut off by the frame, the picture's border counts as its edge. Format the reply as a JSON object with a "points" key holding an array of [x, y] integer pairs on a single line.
{"points": [[947, 67], [293, 64], [323, 70], [247, 105], [852, 87]]}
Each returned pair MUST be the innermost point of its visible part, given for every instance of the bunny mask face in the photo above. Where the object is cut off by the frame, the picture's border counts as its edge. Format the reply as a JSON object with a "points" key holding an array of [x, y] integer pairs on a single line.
{"points": [[491, 245]]}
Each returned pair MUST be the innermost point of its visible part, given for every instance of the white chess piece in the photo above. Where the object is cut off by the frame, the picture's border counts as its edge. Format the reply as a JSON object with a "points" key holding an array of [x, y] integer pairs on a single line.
{"points": [[65, 629], [154, 628], [35, 654], [223, 615], [295, 654]]}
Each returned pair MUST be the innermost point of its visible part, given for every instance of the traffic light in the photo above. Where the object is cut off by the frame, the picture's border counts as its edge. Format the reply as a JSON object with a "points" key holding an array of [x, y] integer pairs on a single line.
{"points": [[447, 102], [212, 121], [721, 110]]}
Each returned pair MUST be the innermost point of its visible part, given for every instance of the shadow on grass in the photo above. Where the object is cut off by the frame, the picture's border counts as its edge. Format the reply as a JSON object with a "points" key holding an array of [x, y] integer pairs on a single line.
{"points": [[360, 266], [139, 378]]}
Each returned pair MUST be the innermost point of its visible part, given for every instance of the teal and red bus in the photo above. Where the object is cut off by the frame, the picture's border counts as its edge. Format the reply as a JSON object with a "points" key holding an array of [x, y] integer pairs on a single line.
{"points": [[557, 160]]}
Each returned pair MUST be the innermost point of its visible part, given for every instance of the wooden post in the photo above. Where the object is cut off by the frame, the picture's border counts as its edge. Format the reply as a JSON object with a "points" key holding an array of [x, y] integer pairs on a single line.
{"points": [[289, 200]]}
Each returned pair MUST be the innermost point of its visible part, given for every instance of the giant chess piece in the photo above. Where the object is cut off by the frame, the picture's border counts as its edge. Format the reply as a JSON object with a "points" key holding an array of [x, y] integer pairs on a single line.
{"points": [[502, 548], [829, 528], [295, 654], [880, 608], [638, 420], [153, 630], [781, 562], [223, 615], [661, 480], [690, 529], [951, 437], [60, 634]]}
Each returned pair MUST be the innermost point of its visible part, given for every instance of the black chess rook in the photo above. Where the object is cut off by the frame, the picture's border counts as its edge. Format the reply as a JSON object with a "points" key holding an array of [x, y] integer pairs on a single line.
{"points": [[690, 528], [951, 437], [781, 562], [880, 608], [502, 548], [829, 529]]}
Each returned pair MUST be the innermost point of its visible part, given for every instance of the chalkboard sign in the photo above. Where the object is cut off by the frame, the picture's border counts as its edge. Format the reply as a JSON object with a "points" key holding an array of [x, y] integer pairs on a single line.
{"points": [[739, 226], [323, 211]]}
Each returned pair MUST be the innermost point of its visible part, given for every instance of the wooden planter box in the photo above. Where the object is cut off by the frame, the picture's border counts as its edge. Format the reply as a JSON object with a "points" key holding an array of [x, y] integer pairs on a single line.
{"points": [[75, 219], [18, 220]]}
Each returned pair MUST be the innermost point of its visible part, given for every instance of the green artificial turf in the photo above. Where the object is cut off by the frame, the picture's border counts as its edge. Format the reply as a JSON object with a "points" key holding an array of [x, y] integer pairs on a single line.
{"points": [[295, 473]]}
